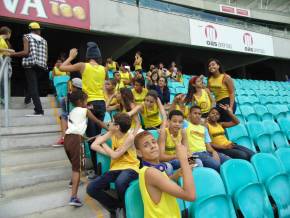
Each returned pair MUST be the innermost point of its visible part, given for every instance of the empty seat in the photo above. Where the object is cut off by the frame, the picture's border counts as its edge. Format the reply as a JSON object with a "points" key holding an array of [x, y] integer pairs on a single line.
{"points": [[249, 113], [283, 154], [284, 124], [261, 110], [271, 173], [278, 136], [246, 142], [243, 100], [236, 132], [260, 137], [249, 196], [211, 201], [180, 90]]}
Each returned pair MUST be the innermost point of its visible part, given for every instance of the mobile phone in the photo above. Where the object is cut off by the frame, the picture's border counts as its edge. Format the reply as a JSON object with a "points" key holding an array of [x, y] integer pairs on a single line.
{"points": [[191, 160]]}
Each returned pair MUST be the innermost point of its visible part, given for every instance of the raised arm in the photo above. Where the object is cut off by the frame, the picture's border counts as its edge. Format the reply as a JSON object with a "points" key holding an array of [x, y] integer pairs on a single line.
{"points": [[161, 109], [162, 142], [100, 141], [234, 120], [24, 52], [157, 181], [68, 67], [100, 123], [135, 110]]}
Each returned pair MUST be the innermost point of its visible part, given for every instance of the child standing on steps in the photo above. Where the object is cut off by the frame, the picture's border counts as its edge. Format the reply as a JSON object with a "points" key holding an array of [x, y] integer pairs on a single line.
{"points": [[77, 125]]}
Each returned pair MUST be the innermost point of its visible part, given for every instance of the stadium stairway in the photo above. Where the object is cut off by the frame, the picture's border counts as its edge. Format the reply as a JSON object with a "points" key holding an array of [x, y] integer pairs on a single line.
{"points": [[34, 175]]}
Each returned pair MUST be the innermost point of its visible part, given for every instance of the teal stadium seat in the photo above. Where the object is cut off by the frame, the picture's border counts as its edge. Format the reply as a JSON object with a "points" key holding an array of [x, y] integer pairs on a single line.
{"points": [[249, 196], [133, 201], [284, 124], [181, 90], [241, 118], [110, 74], [260, 137], [155, 133], [263, 112], [271, 173], [212, 201], [278, 137], [104, 161], [249, 113], [283, 154], [246, 142]]}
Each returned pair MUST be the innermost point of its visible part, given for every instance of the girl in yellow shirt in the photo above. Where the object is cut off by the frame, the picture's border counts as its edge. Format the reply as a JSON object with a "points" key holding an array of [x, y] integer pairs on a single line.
{"points": [[150, 111], [222, 86], [56, 71], [138, 61], [199, 95], [111, 65], [219, 140]]}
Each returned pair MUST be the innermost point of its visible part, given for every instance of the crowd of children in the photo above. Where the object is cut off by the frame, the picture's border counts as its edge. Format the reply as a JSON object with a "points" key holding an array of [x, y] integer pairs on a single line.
{"points": [[190, 130]]}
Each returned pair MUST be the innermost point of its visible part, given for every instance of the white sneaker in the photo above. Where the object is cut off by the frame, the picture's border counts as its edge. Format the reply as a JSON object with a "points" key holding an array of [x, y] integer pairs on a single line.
{"points": [[35, 115]]}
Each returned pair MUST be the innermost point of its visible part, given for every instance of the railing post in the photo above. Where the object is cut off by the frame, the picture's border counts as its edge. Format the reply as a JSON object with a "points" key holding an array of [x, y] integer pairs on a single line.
{"points": [[6, 91]]}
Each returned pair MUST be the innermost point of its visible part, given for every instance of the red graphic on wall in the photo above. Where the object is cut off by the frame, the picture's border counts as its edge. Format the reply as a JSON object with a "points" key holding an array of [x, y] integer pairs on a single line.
{"points": [[210, 32], [248, 39], [73, 13]]}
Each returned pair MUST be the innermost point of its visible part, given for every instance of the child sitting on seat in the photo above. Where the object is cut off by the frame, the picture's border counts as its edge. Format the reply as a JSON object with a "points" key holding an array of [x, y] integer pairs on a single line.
{"points": [[150, 111], [119, 82], [139, 91], [110, 94], [158, 192], [77, 125], [124, 163]]}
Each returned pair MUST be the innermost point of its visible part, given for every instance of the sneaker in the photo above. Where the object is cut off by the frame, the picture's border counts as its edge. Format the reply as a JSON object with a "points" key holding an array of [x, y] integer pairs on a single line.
{"points": [[92, 176], [74, 201], [70, 183], [59, 143], [35, 114]]}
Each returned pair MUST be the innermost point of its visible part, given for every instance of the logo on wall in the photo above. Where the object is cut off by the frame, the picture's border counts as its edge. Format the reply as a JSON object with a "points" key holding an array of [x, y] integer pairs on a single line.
{"points": [[248, 39], [211, 35]]}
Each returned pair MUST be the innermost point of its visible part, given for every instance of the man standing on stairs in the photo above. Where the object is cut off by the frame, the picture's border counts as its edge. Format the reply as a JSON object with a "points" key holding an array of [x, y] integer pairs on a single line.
{"points": [[34, 62]]}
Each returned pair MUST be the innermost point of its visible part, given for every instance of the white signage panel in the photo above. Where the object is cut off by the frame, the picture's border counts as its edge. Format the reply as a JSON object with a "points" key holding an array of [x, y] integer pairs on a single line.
{"points": [[228, 38]]}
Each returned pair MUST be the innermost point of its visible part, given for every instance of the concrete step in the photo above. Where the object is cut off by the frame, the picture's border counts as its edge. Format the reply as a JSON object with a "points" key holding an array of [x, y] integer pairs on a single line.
{"points": [[21, 99], [11, 158], [55, 128], [32, 174], [48, 200], [21, 112], [28, 141], [32, 121]]}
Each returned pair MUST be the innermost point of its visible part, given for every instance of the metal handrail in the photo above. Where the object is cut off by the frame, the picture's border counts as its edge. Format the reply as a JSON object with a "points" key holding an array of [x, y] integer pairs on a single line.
{"points": [[5, 70]]}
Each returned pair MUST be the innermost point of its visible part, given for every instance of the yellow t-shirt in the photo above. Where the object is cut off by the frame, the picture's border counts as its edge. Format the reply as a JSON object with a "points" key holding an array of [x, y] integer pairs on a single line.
{"points": [[217, 135], [170, 145], [112, 66], [128, 160], [167, 207], [203, 101], [3, 45], [219, 89], [196, 137], [119, 86], [185, 110], [57, 72], [150, 117], [93, 79], [139, 66], [113, 101], [139, 97], [124, 76]]}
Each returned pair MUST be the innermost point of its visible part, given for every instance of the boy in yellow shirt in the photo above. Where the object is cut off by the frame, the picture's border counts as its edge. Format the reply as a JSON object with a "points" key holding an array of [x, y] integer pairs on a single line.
{"points": [[158, 192], [124, 163]]}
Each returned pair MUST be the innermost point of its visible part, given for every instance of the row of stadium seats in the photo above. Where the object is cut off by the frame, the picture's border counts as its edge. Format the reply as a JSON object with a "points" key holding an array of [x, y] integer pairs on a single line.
{"points": [[242, 188]]}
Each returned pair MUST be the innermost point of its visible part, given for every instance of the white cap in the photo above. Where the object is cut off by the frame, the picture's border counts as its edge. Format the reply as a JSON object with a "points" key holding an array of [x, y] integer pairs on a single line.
{"points": [[77, 82]]}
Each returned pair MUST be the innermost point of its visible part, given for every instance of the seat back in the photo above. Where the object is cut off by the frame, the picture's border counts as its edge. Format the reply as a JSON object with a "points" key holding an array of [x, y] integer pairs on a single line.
{"points": [[215, 207], [270, 126], [237, 173], [283, 154], [284, 124], [246, 110], [266, 166], [265, 143], [280, 140], [255, 129], [247, 142], [236, 132], [133, 201], [260, 109]]}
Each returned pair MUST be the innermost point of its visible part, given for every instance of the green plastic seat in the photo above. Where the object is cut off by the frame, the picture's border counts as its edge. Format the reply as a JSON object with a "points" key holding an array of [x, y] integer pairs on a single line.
{"points": [[211, 201], [284, 124], [283, 155], [133, 201], [249, 196]]}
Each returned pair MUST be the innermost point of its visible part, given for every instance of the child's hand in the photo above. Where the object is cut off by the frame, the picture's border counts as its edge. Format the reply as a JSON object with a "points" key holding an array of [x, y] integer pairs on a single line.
{"points": [[73, 53], [226, 107]]}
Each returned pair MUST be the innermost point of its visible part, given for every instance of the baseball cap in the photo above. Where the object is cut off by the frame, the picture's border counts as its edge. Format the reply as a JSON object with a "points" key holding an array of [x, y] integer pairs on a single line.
{"points": [[77, 82], [34, 26]]}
